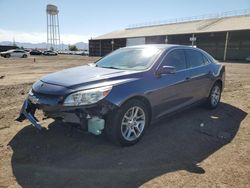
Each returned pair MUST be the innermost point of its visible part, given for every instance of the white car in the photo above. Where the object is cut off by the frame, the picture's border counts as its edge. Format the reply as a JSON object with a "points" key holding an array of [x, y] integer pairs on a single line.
{"points": [[50, 52], [15, 53]]}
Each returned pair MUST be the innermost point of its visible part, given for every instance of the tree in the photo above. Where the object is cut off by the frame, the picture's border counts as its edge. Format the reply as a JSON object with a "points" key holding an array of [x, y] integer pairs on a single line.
{"points": [[73, 48]]}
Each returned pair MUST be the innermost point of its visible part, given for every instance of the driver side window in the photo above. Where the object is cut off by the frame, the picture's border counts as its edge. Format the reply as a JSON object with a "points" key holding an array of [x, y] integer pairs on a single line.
{"points": [[176, 58]]}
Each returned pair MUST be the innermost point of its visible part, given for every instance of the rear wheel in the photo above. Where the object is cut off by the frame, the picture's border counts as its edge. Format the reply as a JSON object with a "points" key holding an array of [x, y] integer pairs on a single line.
{"points": [[128, 125], [214, 96], [7, 55]]}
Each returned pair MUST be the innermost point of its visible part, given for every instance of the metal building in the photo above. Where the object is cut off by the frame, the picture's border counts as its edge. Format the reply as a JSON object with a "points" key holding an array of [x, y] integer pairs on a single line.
{"points": [[53, 33], [225, 36], [4, 48]]}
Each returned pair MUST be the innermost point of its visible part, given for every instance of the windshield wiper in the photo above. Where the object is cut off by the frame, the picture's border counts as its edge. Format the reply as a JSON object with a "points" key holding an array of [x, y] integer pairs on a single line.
{"points": [[110, 67]]}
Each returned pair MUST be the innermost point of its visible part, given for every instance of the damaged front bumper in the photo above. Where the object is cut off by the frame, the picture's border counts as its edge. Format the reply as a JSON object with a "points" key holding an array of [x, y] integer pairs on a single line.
{"points": [[77, 115], [28, 112]]}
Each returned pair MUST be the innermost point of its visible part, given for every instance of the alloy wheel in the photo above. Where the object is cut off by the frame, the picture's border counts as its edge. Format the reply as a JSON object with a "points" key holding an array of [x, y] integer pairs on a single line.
{"points": [[133, 123], [215, 95]]}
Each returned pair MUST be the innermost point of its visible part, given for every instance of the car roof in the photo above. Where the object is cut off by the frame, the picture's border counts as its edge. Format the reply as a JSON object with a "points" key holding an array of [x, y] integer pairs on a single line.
{"points": [[167, 47], [161, 46], [19, 50]]}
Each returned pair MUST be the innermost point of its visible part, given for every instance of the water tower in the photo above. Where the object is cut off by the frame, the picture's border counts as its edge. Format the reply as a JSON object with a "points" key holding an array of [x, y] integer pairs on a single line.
{"points": [[53, 34]]}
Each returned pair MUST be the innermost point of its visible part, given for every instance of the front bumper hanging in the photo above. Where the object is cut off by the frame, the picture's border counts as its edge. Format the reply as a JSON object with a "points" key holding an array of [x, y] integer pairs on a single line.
{"points": [[27, 112], [89, 118]]}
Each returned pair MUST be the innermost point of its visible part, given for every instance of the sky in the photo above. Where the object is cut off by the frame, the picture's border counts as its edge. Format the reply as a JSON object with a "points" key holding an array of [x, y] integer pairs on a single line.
{"points": [[80, 20]]}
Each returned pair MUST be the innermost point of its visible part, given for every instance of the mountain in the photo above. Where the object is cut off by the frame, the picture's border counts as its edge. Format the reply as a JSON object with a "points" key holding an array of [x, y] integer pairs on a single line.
{"points": [[82, 45], [43, 45]]}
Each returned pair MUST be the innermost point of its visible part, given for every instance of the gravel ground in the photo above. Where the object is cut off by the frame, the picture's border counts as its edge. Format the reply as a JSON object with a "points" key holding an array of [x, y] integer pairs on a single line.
{"points": [[196, 147]]}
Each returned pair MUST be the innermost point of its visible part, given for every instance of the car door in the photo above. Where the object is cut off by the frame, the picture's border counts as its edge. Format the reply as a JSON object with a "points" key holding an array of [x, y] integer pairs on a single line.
{"points": [[172, 92], [199, 74], [19, 53], [14, 53]]}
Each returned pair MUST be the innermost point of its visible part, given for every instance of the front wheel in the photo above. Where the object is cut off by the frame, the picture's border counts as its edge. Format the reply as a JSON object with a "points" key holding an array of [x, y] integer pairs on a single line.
{"points": [[24, 56], [214, 96], [129, 123]]}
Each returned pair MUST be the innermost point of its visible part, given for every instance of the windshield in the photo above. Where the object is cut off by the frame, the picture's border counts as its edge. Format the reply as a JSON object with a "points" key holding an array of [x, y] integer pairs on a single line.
{"points": [[10, 51], [130, 58]]}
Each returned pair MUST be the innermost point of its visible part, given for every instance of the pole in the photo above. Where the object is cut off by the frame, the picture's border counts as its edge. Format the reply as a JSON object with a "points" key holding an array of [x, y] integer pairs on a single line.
{"points": [[47, 31], [50, 27], [55, 30], [100, 46], [225, 50], [58, 28], [112, 44], [193, 40]]}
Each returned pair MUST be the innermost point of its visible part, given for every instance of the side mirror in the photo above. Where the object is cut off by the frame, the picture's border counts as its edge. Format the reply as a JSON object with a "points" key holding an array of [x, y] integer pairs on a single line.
{"points": [[166, 70]]}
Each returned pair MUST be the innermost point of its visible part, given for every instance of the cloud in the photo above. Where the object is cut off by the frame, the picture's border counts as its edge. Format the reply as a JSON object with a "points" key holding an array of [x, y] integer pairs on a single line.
{"points": [[7, 35]]}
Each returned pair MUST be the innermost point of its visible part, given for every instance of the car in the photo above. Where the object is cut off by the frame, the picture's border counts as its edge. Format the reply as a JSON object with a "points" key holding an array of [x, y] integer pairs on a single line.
{"points": [[123, 92], [15, 53], [27, 50], [35, 52], [50, 53], [85, 52]]}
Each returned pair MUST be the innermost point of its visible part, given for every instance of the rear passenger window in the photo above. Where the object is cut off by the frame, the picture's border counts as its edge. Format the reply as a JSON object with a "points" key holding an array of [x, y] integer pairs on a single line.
{"points": [[195, 58], [205, 60], [176, 59]]}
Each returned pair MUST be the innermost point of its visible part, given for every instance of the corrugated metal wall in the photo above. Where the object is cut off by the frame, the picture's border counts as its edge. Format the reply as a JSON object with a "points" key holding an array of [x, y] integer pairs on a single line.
{"points": [[5, 48], [213, 43], [238, 45], [135, 41], [104, 47]]}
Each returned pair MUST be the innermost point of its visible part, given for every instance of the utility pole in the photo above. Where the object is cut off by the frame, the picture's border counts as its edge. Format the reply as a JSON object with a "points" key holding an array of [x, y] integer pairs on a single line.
{"points": [[14, 42], [225, 49]]}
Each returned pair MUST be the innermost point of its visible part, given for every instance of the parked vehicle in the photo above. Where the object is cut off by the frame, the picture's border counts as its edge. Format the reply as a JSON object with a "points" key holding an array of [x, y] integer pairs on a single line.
{"points": [[27, 50], [85, 52], [50, 53], [123, 92], [15, 53], [35, 52]]}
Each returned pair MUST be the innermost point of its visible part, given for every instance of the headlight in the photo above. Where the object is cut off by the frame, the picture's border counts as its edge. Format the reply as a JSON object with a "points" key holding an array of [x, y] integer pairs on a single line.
{"points": [[85, 97]]}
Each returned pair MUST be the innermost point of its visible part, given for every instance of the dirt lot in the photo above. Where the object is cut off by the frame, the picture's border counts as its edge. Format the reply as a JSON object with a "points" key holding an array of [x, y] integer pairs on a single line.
{"points": [[196, 147]]}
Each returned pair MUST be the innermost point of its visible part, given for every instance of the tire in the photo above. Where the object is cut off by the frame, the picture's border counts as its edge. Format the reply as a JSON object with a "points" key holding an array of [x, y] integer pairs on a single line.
{"points": [[124, 128], [7, 55], [213, 100], [25, 56]]}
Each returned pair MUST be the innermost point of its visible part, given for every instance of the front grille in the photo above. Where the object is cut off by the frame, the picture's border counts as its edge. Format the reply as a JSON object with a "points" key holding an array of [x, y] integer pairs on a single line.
{"points": [[48, 99]]}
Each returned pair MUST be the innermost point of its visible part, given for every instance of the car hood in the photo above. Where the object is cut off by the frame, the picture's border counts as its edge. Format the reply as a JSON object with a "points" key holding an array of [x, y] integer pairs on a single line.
{"points": [[4, 52], [84, 75]]}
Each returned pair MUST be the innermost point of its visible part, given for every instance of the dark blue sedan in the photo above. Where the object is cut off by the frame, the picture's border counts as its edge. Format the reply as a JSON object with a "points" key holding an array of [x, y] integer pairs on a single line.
{"points": [[123, 92]]}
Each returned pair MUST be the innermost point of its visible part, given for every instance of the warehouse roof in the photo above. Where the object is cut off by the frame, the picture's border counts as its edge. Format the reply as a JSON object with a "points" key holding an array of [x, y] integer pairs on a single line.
{"points": [[199, 26]]}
